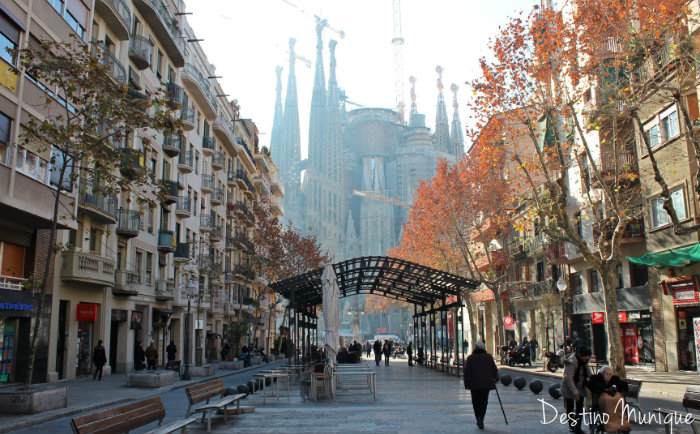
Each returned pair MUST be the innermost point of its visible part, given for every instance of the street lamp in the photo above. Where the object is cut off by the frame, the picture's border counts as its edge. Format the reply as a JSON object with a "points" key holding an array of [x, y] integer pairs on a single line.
{"points": [[191, 290], [561, 286]]}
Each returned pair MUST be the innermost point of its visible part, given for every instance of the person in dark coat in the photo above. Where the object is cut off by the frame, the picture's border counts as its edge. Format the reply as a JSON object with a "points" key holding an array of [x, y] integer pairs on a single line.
{"points": [[171, 350], [576, 375], [533, 349], [377, 351], [480, 374], [419, 356], [605, 382], [409, 353], [139, 357], [99, 358], [152, 356], [386, 349]]}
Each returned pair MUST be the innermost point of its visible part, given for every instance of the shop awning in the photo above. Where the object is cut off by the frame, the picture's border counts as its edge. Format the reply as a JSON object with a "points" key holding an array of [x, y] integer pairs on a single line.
{"points": [[670, 258]]}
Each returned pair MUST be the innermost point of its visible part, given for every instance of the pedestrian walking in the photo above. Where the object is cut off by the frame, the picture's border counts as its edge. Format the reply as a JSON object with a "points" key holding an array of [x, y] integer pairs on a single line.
{"points": [[377, 351], [225, 349], [139, 357], [152, 356], [480, 374], [171, 350], [368, 349], [419, 357], [576, 375], [409, 353], [533, 349], [387, 351], [99, 358]]}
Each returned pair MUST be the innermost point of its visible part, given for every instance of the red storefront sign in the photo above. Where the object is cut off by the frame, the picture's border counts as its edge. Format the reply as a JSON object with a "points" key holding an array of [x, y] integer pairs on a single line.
{"points": [[683, 288], [86, 312], [381, 330], [682, 297], [599, 317]]}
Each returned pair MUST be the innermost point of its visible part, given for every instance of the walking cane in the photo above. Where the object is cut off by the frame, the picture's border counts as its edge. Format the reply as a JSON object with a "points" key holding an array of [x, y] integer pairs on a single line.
{"points": [[501, 404]]}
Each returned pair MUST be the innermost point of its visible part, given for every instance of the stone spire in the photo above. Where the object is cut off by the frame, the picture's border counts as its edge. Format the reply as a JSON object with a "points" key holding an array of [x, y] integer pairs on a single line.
{"points": [[290, 142], [414, 107], [441, 137], [318, 105], [457, 137], [332, 150], [276, 133]]}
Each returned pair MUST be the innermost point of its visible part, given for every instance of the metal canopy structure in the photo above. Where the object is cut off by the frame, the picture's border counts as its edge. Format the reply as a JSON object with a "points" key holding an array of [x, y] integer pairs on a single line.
{"points": [[379, 275]]}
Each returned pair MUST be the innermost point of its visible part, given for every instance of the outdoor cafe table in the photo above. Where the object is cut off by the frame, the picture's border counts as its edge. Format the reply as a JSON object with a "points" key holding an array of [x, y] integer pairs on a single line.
{"points": [[279, 375]]}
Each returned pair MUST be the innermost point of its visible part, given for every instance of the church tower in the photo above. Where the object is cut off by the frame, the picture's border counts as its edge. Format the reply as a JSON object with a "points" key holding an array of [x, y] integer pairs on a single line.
{"points": [[456, 136], [441, 137]]}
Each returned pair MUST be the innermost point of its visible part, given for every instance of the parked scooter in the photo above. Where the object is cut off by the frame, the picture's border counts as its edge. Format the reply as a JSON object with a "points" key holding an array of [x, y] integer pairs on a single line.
{"points": [[555, 360], [517, 356]]}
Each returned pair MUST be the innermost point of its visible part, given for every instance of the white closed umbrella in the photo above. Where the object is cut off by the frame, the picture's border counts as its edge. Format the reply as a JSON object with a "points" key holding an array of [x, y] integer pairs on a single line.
{"points": [[331, 311]]}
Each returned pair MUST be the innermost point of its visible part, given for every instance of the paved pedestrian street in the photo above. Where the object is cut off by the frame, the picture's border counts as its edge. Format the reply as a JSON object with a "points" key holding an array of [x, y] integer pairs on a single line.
{"points": [[409, 400]]}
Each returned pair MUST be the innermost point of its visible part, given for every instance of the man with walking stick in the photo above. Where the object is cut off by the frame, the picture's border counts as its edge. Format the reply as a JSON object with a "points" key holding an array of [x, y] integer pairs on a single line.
{"points": [[480, 373]]}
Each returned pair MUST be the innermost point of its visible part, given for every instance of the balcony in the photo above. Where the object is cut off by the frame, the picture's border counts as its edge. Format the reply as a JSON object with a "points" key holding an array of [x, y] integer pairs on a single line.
{"points": [[245, 147], [231, 178], [277, 208], [87, 268], [165, 290], [165, 27], [206, 222], [207, 184], [655, 64], [138, 100], [169, 191], [243, 271], [242, 240], [128, 223], [208, 145], [277, 189], [182, 252], [174, 95], [184, 207], [562, 252], [171, 145], [126, 283], [223, 129], [184, 162], [117, 15], [114, 67], [241, 209], [187, 117], [166, 241], [12, 282], [616, 170], [230, 246], [199, 88], [216, 233], [218, 160], [132, 163], [217, 197], [531, 290], [634, 233], [140, 51], [101, 207], [243, 181]]}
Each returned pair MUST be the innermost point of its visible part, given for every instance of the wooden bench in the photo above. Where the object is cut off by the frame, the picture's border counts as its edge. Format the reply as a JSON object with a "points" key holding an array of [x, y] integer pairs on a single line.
{"points": [[126, 417], [634, 386], [691, 401], [204, 392], [174, 365]]}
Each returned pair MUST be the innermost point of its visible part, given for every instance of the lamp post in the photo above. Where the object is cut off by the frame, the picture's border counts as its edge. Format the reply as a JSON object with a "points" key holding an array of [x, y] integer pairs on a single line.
{"points": [[561, 286], [190, 289]]}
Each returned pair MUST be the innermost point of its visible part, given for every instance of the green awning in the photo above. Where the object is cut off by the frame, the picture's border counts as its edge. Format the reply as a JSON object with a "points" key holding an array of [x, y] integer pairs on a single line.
{"points": [[670, 258]]}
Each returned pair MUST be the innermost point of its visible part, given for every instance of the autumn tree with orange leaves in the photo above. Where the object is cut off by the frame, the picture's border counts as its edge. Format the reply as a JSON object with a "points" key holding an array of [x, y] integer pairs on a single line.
{"points": [[572, 81]]}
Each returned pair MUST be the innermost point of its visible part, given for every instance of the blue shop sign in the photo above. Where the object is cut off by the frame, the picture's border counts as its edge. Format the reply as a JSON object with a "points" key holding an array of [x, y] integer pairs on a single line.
{"points": [[16, 306]]}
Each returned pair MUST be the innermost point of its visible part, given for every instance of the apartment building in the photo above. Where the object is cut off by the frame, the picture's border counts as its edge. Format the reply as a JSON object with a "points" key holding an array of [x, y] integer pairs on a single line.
{"points": [[128, 272]]}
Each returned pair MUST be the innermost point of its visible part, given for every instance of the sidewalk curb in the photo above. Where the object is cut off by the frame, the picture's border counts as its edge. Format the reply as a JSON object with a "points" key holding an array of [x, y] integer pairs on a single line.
{"points": [[556, 379], [71, 412]]}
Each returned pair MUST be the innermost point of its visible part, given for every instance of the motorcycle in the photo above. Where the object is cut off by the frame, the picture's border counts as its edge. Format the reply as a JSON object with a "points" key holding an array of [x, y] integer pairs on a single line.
{"points": [[555, 360], [517, 356]]}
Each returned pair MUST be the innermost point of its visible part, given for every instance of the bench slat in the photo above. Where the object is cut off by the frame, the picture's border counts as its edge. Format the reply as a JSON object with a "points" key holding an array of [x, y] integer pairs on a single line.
{"points": [[204, 391], [221, 403], [172, 426], [121, 418]]}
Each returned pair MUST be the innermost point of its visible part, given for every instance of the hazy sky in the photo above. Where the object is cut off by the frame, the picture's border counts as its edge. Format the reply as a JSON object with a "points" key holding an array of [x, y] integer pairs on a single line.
{"points": [[247, 39]]}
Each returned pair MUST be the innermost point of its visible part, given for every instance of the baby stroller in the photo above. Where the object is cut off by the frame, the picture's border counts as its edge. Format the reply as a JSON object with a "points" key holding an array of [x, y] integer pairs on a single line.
{"points": [[601, 404]]}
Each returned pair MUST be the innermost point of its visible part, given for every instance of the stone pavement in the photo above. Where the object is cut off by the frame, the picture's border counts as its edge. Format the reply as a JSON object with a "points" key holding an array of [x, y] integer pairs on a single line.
{"points": [[672, 384], [85, 394], [409, 400]]}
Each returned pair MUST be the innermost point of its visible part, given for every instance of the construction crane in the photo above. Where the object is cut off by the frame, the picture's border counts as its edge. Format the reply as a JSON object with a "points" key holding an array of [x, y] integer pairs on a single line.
{"points": [[397, 42], [316, 18], [373, 195]]}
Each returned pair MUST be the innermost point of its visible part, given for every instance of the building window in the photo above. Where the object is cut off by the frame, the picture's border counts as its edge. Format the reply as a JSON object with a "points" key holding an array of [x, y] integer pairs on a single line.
{"points": [[139, 265], [149, 268], [662, 128], [594, 284], [576, 283], [196, 162], [5, 45], [669, 125], [73, 14], [659, 216]]}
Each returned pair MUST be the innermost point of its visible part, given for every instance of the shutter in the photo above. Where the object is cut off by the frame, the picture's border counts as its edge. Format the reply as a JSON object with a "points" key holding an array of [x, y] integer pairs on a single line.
{"points": [[9, 29]]}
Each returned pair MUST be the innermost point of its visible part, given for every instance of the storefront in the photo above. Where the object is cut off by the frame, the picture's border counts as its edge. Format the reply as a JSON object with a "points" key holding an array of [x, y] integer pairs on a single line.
{"points": [[85, 316], [588, 323], [686, 303], [17, 308]]}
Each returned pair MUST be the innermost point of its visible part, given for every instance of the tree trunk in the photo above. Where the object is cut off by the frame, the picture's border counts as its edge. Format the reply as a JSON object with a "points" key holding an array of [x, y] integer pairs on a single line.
{"points": [[614, 334], [499, 312], [473, 318], [45, 279]]}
